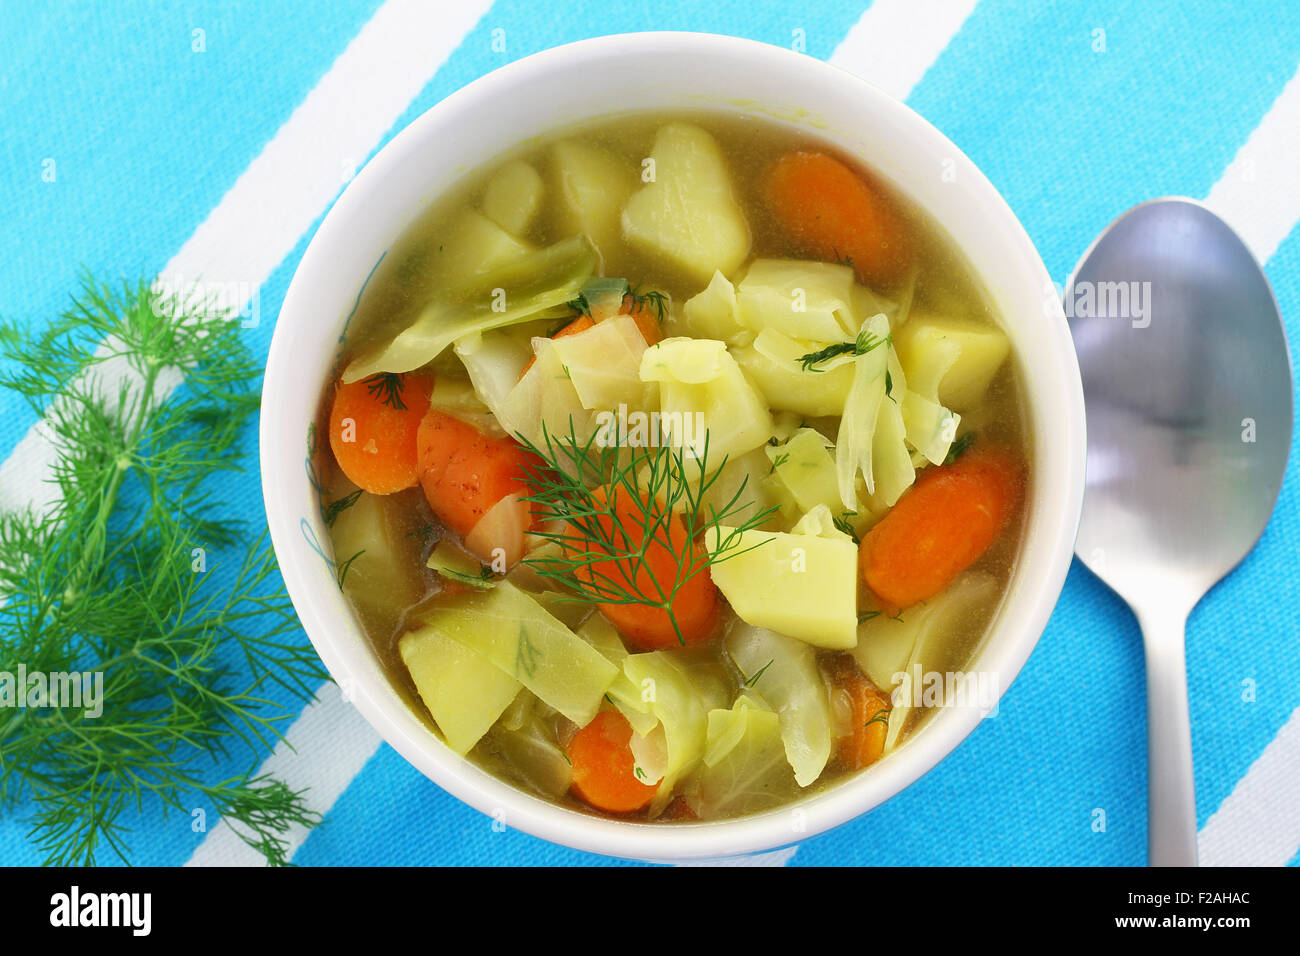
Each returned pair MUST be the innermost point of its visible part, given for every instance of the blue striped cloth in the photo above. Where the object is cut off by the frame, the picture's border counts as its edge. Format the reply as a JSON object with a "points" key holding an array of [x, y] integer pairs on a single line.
{"points": [[148, 113]]}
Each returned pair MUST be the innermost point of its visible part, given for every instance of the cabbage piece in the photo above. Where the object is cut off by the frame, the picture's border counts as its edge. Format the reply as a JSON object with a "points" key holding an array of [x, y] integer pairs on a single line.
{"points": [[792, 683], [519, 290], [931, 428], [459, 398], [819, 523], [688, 215], [745, 768], [699, 377], [530, 752], [514, 632], [950, 360], [455, 564], [513, 197], [591, 185], [373, 535], [772, 362], [544, 402], [494, 361], [472, 245], [604, 365], [747, 485], [853, 454], [891, 462], [520, 711], [626, 696], [649, 754], [807, 468], [464, 691], [804, 300], [892, 650], [712, 314], [666, 686], [803, 585]]}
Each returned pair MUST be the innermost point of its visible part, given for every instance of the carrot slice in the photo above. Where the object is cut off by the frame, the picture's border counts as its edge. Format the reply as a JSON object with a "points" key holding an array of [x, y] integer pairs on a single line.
{"points": [[622, 533], [834, 213], [940, 526], [645, 318], [464, 472], [373, 424], [869, 709], [604, 770]]}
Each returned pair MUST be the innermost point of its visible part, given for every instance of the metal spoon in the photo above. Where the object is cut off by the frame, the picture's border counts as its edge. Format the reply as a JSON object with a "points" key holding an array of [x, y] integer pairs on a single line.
{"points": [[1187, 382]]}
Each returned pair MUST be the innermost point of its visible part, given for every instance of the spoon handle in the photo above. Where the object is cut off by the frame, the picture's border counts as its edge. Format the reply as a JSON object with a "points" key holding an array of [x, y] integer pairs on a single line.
{"points": [[1171, 797]]}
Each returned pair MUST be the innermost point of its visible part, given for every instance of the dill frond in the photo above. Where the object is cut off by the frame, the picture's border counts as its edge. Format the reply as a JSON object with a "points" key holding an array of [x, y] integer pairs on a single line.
{"points": [[583, 491], [145, 402]]}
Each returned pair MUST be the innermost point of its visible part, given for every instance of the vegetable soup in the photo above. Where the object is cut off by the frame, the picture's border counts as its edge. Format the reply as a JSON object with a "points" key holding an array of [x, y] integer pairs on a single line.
{"points": [[671, 461]]}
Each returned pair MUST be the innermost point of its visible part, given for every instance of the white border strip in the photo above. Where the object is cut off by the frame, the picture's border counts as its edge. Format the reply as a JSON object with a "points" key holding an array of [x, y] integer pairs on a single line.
{"points": [[895, 42]]}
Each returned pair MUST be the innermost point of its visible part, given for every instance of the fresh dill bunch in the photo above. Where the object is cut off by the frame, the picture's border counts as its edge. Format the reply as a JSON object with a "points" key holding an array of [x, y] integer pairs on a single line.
{"points": [[145, 401], [651, 485]]}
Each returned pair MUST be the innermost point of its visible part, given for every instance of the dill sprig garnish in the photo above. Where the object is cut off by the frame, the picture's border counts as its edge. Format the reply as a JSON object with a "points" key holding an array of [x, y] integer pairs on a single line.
{"points": [[653, 301], [113, 579], [620, 291], [387, 387], [754, 678], [879, 717], [865, 342], [959, 448], [844, 525], [330, 512], [584, 493]]}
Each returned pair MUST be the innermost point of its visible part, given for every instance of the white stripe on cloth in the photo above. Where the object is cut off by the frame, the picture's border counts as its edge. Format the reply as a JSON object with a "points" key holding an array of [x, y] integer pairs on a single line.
{"points": [[895, 41], [1259, 193], [322, 752], [1258, 824]]}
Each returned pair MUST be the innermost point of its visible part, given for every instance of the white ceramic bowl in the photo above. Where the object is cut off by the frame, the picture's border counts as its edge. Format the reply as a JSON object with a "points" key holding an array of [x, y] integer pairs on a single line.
{"points": [[664, 71]]}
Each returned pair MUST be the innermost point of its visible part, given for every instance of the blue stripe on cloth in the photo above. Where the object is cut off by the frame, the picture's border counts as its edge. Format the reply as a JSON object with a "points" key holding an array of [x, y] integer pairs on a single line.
{"points": [[394, 815]]}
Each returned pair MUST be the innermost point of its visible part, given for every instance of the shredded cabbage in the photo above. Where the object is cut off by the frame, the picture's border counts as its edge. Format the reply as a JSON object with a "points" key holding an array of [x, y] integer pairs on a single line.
{"points": [[699, 377], [712, 314], [745, 768], [604, 364], [804, 300], [514, 632], [676, 702], [464, 691], [772, 362], [519, 290], [807, 468], [853, 454], [791, 682]]}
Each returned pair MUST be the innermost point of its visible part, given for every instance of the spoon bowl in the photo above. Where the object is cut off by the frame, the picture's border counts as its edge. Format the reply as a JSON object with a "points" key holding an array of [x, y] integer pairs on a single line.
{"points": [[1187, 385]]}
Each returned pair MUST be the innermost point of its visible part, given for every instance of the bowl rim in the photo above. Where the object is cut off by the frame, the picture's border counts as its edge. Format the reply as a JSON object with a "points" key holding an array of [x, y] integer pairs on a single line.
{"points": [[390, 715]]}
